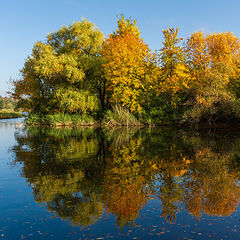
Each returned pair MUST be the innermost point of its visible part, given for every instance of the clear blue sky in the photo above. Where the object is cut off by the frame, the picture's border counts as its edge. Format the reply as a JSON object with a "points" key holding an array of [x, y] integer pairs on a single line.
{"points": [[23, 22]]}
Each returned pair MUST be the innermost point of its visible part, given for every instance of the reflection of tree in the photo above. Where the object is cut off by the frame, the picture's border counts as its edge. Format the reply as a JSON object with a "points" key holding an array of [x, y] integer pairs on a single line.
{"points": [[171, 189], [207, 182], [170, 193], [78, 173], [81, 210], [169, 157], [124, 191], [64, 168], [211, 187]]}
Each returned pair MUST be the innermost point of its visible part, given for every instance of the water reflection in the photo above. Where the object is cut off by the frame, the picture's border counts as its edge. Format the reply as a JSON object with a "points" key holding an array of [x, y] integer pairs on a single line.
{"points": [[81, 173]]}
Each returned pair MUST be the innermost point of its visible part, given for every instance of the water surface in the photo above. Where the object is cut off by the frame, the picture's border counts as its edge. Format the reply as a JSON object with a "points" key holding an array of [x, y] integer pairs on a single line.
{"points": [[92, 183]]}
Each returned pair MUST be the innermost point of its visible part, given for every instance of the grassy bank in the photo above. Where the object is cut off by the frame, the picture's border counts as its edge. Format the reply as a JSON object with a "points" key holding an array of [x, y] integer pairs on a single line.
{"points": [[113, 120], [119, 116], [60, 120], [116, 117], [9, 114]]}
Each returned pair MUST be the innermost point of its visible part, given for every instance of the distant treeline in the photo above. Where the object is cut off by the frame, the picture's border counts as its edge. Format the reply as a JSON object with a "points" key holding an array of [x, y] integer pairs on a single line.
{"points": [[7, 103], [77, 71]]}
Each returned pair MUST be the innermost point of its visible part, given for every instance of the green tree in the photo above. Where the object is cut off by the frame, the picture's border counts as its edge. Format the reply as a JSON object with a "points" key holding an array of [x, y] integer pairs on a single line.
{"points": [[65, 60]]}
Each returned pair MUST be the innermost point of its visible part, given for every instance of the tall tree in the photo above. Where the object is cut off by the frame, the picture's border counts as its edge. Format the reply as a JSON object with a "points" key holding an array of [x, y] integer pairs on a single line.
{"points": [[213, 60], [174, 73], [173, 79], [64, 61], [126, 57]]}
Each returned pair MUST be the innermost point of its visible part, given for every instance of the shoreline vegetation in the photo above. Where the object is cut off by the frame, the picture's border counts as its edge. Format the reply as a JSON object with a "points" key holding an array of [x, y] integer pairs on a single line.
{"points": [[94, 123], [117, 117], [65, 120], [79, 77], [6, 114], [7, 108]]}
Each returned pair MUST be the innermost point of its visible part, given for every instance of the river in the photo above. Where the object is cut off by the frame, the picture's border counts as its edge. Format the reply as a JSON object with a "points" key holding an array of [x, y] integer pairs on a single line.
{"points": [[93, 183]]}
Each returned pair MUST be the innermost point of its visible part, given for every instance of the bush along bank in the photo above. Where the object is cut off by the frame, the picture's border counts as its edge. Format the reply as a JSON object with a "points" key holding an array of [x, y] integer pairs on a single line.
{"points": [[60, 119], [118, 116]]}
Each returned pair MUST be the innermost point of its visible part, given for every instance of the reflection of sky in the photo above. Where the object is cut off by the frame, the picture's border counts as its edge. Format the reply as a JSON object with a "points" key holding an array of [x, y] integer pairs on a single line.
{"points": [[16, 200], [7, 136], [7, 140]]}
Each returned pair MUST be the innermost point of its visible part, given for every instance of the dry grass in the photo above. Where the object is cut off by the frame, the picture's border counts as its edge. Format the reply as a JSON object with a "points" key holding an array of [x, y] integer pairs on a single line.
{"points": [[120, 116]]}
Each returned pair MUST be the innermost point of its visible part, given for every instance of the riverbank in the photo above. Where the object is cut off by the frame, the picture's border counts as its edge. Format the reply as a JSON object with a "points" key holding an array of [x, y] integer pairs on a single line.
{"points": [[113, 120], [9, 114]]}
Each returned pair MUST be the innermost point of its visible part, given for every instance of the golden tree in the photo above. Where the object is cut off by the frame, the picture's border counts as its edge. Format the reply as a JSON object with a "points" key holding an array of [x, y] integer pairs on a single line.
{"points": [[126, 57]]}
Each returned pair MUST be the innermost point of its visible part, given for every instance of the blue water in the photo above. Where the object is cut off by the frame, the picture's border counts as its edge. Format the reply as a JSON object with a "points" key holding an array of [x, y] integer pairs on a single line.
{"points": [[123, 184]]}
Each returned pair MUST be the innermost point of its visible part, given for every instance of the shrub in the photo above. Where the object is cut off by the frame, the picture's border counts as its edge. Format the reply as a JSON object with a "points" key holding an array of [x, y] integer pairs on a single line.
{"points": [[214, 105], [59, 119], [120, 116]]}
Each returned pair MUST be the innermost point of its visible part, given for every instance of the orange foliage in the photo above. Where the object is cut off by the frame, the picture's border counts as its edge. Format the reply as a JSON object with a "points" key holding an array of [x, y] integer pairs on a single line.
{"points": [[125, 191], [213, 190], [124, 197], [212, 56], [126, 56]]}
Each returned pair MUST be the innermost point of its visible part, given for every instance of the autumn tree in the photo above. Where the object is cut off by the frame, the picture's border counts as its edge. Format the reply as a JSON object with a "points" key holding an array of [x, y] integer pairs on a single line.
{"points": [[214, 63], [76, 71], [213, 58], [126, 57], [170, 87], [64, 61], [174, 75]]}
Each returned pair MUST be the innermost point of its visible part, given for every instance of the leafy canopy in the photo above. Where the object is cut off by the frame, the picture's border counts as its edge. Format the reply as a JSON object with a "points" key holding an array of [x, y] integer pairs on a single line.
{"points": [[63, 61], [126, 56]]}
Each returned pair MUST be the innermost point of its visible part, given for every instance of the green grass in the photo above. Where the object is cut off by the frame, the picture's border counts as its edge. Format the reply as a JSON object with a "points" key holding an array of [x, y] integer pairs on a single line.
{"points": [[116, 117], [60, 119]]}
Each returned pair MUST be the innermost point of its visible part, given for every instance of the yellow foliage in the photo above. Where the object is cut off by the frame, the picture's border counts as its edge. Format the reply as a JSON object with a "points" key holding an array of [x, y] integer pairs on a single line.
{"points": [[126, 56]]}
